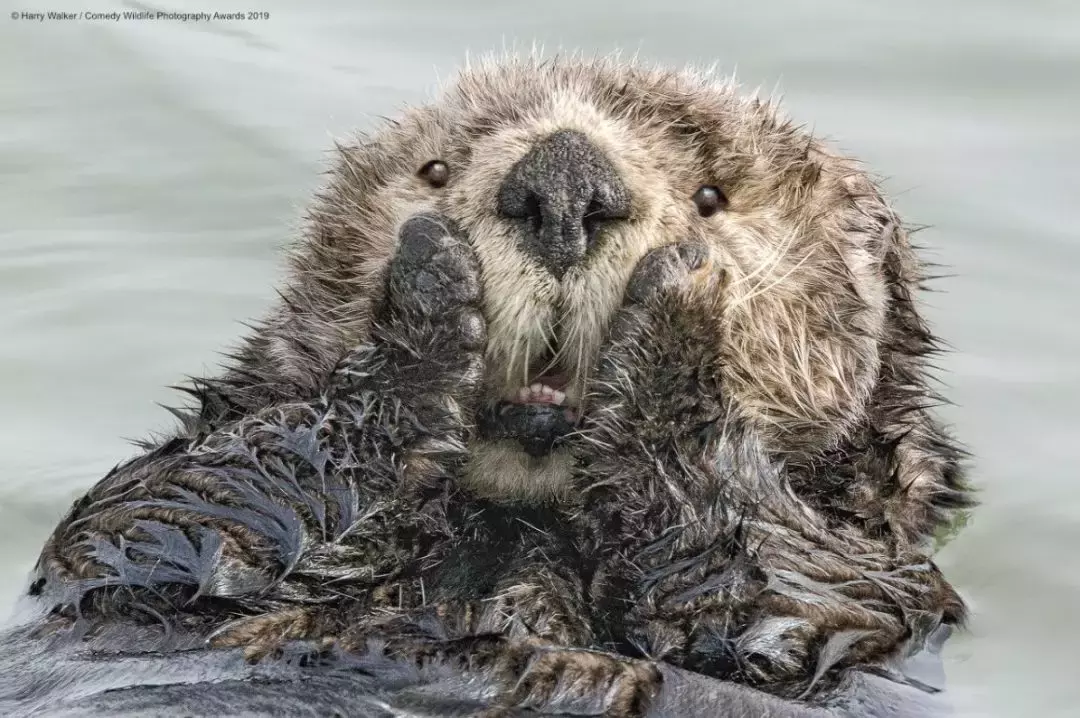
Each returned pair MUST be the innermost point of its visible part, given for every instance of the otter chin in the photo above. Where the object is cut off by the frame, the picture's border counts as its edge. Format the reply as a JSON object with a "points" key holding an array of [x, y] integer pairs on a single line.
{"points": [[517, 455], [537, 416]]}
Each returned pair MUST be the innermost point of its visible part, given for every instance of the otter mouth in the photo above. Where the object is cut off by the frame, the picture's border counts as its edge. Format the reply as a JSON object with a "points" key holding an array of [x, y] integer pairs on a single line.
{"points": [[537, 415]]}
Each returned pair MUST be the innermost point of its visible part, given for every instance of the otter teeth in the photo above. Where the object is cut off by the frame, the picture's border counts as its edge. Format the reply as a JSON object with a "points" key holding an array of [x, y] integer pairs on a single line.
{"points": [[540, 393]]}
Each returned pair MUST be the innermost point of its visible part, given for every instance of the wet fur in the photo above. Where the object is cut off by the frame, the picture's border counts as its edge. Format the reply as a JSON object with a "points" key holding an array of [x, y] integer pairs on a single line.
{"points": [[757, 478]]}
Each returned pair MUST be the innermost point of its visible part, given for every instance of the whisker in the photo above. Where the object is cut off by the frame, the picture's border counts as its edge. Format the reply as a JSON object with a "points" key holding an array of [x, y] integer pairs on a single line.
{"points": [[769, 263], [759, 290]]}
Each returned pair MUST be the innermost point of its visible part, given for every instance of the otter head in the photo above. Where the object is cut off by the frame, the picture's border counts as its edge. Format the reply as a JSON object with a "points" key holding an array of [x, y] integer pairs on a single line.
{"points": [[564, 175]]}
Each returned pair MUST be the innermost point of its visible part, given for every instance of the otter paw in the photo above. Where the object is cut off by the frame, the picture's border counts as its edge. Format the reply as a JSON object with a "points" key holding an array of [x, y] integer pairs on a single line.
{"points": [[666, 269], [434, 281], [265, 635], [540, 605], [659, 368], [674, 288], [579, 681], [430, 329], [674, 294], [427, 346]]}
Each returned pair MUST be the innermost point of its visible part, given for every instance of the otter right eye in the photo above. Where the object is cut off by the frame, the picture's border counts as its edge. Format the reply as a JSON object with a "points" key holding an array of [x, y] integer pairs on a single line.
{"points": [[435, 173], [709, 199]]}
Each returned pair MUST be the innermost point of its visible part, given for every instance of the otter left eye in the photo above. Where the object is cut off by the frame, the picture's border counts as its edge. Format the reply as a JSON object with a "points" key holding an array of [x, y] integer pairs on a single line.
{"points": [[710, 199], [435, 173]]}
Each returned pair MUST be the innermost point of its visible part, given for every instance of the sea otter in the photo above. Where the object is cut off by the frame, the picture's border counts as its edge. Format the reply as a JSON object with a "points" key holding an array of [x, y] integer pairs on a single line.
{"points": [[584, 373]]}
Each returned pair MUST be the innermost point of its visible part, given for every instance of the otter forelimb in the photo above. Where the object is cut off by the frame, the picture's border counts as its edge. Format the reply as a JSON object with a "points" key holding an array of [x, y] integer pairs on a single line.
{"points": [[708, 558], [345, 490]]}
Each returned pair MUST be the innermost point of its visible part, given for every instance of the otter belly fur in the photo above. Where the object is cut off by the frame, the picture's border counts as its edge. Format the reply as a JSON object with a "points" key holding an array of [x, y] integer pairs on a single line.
{"points": [[592, 387]]}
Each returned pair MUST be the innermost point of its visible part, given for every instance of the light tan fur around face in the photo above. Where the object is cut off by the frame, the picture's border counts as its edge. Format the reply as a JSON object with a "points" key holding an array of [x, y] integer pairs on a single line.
{"points": [[813, 253]]}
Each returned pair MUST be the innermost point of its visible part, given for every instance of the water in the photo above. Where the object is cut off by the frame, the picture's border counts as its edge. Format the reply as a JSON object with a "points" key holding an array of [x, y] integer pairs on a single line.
{"points": [[152, 171]]}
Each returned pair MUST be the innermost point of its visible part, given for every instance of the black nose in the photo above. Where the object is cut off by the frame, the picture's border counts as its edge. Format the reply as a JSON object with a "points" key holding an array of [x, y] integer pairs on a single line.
{"points": [[564, 189]]}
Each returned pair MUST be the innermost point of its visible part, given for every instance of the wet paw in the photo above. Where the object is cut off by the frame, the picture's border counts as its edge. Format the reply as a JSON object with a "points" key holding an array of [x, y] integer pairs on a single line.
{"points": [[434, 279], [428, 340], [670, 285], [671, 310], [659, 371], [667, 269], [265, 636], [541, 605], [430, 327], [583, 681]]}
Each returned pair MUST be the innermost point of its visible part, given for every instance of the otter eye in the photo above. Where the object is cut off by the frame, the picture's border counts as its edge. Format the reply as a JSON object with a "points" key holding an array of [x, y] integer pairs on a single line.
{"points": [[435, 173], [709, 200]]}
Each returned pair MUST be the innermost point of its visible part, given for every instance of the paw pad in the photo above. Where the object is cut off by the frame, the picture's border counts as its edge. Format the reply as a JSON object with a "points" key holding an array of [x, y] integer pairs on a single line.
{"points": [[434, 270], [421, 236], [664, 269]]}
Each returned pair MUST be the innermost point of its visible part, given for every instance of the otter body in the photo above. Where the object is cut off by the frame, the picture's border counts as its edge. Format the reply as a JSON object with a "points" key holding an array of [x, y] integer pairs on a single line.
{"points": [[135, 671], [588, 381]]}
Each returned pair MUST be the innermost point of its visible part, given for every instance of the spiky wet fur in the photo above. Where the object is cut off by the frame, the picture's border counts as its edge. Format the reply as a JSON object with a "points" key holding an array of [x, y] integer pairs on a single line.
{"points": [[757, 478]]}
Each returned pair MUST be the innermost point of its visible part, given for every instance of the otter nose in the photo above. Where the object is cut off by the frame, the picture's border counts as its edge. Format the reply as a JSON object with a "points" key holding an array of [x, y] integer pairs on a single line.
{"points": [[564, 189]]}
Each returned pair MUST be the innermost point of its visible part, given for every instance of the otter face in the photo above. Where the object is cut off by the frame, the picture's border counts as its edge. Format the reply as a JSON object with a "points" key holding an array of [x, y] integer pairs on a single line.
{"points": [[564, 176]]}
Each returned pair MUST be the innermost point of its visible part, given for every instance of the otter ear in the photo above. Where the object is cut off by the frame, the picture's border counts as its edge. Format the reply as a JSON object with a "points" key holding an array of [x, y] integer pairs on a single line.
{"points": [[921, 483]]}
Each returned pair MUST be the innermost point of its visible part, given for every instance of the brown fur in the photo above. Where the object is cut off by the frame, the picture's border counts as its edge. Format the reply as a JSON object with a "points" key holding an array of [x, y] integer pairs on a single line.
{"points": [[809, 503], [820, 312]]}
